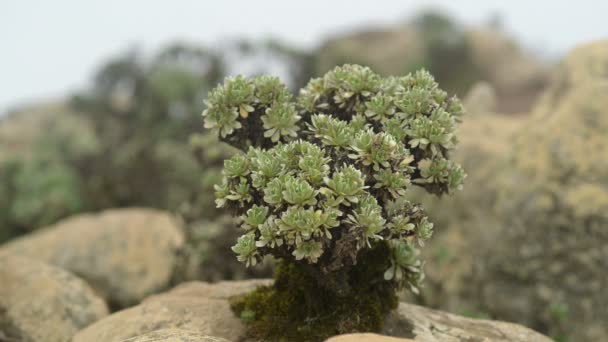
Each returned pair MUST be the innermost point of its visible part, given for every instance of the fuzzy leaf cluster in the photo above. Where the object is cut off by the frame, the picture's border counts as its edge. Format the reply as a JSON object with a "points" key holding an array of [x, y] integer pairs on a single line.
{"points": [[336, 165], [261, 106]]}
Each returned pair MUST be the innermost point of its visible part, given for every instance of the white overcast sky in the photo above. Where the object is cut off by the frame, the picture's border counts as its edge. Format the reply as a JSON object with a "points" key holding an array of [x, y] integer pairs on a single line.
{"points": [[49, 48]]}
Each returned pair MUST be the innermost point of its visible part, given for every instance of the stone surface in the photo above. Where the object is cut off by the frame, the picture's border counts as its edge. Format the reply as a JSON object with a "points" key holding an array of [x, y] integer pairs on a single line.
{"points": [[539, 185], [39, 302], [367, 337], [480, 99], [220, 290], [586, 64], [427, 325], [125, 254], [549, 270], [517, 77], [174, 335], [197, 307], [203, 308]]}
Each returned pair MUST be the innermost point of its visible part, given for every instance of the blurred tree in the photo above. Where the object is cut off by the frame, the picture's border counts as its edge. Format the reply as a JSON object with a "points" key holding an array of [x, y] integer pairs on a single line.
{"points": [[447, 51], [459, 56], [144, 115]]}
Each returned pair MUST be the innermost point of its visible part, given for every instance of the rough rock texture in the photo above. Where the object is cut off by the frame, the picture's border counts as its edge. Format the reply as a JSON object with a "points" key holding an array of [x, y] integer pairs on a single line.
{"points": [[367, 337], [197, 307], [427, 325], [584, 65], [517, 77], [203, 308], [539, 185], [219, 290], [174, 335], [39, 302], [125, 254], [468, 219], [387, 50], [549, 271]]}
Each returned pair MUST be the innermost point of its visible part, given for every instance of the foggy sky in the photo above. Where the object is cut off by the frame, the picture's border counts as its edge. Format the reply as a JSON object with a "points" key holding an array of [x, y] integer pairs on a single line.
{"points": [[50, 48]]}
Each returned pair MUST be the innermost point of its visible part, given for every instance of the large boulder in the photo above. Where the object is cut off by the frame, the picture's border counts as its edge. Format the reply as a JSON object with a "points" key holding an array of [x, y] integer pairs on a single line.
{"points": [[125, 254], [586, 64], [550, 268], [539, 186], [467, 220], [457, 55], [204, 309], [427, 325], [39, 302], [198, 307]]}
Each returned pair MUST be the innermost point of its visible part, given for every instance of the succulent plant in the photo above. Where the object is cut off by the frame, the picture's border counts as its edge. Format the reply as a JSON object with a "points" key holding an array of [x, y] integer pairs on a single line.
{"points": [[325, 177]]}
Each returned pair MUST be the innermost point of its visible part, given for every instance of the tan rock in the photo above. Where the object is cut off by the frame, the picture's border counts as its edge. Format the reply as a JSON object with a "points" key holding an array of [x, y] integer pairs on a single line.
{"points": [[583, 66], [125, 254], [367, 337], [197, 307], [517, 76], [203, 308], [388, 50], [220, 290], [481, 99], [39, 302], [174, 335], [427, 325]]}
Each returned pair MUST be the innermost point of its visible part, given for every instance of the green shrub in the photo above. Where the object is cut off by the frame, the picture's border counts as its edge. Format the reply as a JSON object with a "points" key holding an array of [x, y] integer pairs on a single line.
{"points": [[322, 185]]}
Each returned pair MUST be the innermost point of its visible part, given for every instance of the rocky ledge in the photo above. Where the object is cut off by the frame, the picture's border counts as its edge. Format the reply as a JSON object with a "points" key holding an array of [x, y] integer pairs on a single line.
{"points": [[203, 309]]}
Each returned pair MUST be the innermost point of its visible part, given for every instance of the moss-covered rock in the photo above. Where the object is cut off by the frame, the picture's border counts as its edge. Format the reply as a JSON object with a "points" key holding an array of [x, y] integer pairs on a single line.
{"points": [[203, 308], [277, 313]]}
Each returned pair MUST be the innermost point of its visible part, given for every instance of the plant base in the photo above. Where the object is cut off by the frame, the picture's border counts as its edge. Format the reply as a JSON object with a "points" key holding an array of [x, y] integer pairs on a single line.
{"points": [[297, 308]]}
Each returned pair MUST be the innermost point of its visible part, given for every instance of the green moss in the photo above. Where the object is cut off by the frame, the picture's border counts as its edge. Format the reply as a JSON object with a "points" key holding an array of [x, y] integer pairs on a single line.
{"points": [[298, 308]]}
